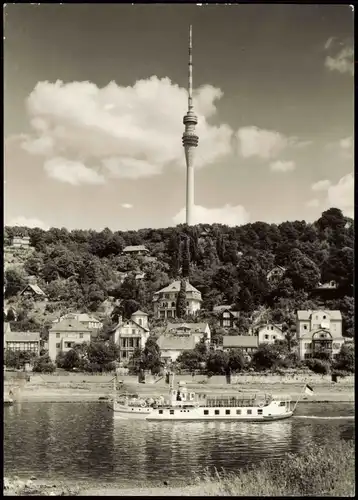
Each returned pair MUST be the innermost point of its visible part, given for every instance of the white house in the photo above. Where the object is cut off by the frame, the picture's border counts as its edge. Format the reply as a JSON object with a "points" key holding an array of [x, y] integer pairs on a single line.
{"points": [[319, 330], [268, 333], [130, 334], [180, 337], [275, 273], [165, 300], [65, 334]]}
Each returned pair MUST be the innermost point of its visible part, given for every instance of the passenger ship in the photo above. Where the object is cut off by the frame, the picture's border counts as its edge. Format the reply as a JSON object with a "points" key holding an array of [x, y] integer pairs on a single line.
{"points": [[184, 405]]}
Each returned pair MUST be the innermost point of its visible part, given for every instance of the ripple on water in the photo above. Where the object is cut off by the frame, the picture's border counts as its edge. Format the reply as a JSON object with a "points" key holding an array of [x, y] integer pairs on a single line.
{"points": [[83, 441]]}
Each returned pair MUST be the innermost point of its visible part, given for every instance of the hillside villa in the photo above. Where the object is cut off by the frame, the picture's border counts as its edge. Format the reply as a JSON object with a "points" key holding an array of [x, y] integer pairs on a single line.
{"points": [[130, 334], [164, 301], [135, 250], [319, 331], [33, 291], [22, 341], [180, 337], [227, 316], [268, 333], [247, 343], [275, 273], [20, 242], [65, 334]]}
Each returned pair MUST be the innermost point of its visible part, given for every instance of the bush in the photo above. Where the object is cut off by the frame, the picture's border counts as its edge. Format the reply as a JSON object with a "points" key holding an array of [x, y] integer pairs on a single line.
{"points": [[327, 470], [318, 366], [345, 359], [43, 364]]}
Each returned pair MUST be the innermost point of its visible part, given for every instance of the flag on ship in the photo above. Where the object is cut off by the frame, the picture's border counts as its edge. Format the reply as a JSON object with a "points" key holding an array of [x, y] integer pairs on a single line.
{"points": [[308, 390]]}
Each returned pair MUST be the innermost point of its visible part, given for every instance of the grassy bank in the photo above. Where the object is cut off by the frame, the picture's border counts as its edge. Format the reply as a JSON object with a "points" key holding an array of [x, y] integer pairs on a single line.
{"points": [[318, 470]]}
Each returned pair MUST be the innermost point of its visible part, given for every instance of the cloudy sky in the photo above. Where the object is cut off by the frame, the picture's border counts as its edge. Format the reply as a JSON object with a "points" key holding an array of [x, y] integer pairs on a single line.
{"points": [[95, 97]]}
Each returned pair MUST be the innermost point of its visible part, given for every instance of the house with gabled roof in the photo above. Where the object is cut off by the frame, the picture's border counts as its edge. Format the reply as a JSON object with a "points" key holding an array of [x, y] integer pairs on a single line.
{"points": [[171, 346], [130, 334], [65, 334], [85, 319], [135, 250], [22, 341], [318, 331], [275, 273], [269, 333], [247, 343], [226, 315], [164, 301], [33, 291]]}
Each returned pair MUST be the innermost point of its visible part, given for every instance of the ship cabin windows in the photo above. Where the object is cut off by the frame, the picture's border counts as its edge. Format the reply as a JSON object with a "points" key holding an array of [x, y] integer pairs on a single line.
{"points": [[217, 412], [206, 412], [282, 403], [259, 412], [249, 412], [160, 412], [171, 412], [238, 412], [227, 412]]}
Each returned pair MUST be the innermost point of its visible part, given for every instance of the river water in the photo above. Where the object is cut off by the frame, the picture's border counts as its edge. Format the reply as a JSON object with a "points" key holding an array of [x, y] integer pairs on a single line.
{"points": [[82, 441]]}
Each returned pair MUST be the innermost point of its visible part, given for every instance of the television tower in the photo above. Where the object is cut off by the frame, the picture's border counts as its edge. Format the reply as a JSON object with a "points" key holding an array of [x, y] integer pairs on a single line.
{"points": [[190, 139]]}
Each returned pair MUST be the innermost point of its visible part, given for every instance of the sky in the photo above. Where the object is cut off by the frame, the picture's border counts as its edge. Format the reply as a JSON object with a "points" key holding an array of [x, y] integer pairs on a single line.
{"points": [[95, 97]]}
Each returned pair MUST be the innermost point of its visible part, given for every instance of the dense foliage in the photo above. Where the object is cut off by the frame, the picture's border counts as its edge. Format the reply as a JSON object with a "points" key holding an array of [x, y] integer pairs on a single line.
{"points": [[80, 269]]}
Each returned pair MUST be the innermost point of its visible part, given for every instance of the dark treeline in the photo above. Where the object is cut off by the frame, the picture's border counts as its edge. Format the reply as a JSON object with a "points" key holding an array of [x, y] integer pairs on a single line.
{"points": [[82, 268]]}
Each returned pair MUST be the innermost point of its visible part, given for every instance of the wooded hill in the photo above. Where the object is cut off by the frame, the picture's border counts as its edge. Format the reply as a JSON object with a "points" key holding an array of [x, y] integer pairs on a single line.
{"points": [[80, 269]]}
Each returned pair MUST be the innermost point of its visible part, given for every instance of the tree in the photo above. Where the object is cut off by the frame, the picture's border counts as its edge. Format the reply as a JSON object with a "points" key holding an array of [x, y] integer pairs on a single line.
{"points": [[217, 363], [101, 356], [43, 364], [15, 282], [10, 315], [181, 300], [186, 257], [151, 356], [70, 360], [136, 362], [267, 356], [236, 361], [302, 271], [345, 359]]}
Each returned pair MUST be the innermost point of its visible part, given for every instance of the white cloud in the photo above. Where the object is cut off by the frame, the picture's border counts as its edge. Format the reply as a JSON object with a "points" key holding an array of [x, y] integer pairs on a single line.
{"points": [[265, 144], [341, 195], [131, 131], [26, 222], [342, 61], [321, 185], [72, 172], [229, 215], [127, 205], [346, 143], [312, 203], [282, 166]]}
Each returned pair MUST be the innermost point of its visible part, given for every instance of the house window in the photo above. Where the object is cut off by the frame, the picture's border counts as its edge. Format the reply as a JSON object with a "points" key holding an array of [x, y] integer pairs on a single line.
{"points": [[226, 315], [81, 335], [274, 337], [308, 345], [133, 332], [169, 314], [226, 322], [249, 412], [307, 356], [266, 337], [57, 335], [305, 327], [58, 346], [187, 304], [217, 412], [140, 321], [124, 354], [271, 327], [238, 412], [259, 412], [206, 412], [173, 304], [324, 316], [282, 403], [227, 412]]}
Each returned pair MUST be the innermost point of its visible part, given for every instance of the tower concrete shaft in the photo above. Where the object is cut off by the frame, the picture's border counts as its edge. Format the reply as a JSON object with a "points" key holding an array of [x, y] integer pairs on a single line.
{"points": [[190, 139]]}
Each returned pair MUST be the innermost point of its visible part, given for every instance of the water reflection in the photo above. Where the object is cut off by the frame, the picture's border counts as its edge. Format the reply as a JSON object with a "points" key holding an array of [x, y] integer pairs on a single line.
{"points": [[83, 441]]}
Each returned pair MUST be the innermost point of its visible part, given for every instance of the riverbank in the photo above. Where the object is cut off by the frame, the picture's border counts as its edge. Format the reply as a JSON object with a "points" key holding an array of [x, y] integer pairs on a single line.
{"points": [[333, 466], [84, 392]]}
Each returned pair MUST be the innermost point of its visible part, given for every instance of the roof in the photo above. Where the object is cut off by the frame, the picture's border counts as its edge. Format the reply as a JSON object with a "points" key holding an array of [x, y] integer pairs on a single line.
{"points": [[69, 325], [306, 315], [22, 337], [139, 313], [135, 248], [222, 308], [263, 324], [191, 327], [34, 288], [121, 323], [175, 287], [175, 343], [240, 341]]}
